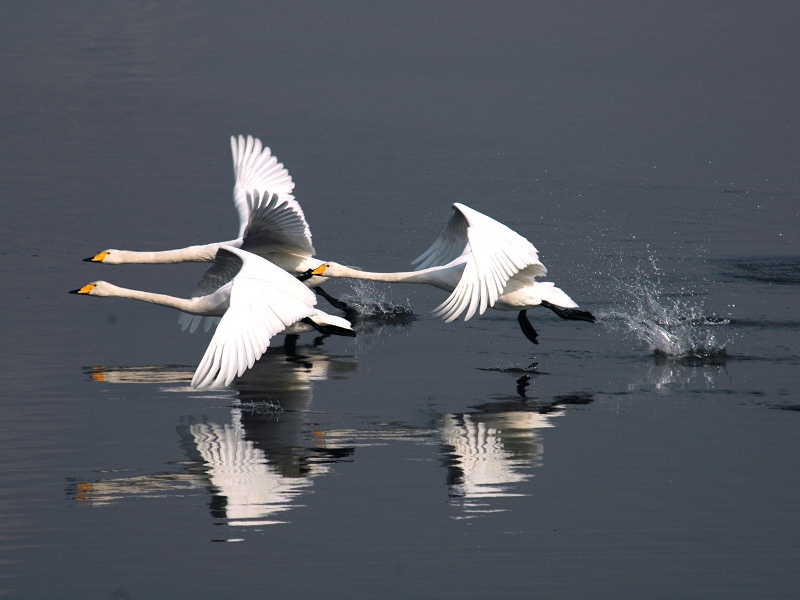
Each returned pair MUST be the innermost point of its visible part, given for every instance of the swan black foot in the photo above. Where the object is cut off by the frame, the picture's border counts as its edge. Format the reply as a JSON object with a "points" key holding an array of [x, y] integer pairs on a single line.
{"points": [[327, 330], [349, 312], [527, 328], [570, 314]]}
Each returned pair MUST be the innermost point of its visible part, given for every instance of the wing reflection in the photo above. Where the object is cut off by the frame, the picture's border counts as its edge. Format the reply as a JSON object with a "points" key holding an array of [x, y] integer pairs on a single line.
{"points": [[263, 462], [258, 465], [490, 451], [486, 453], [248, 485], [250, 482]]}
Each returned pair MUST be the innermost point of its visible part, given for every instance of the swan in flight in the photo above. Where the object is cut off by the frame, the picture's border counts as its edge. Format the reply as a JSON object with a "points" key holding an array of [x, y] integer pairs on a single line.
{"points": [[254, 168], [483, 264], [271, 224], [255, 299]]}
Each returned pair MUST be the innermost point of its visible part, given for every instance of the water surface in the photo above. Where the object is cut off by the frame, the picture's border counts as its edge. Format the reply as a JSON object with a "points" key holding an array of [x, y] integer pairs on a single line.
{"points": [[650, 154]]}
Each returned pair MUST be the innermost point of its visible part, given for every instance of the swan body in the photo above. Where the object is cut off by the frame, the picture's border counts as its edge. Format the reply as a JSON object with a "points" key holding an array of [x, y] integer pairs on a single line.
{"points": [[482, 264], [255, 299]]}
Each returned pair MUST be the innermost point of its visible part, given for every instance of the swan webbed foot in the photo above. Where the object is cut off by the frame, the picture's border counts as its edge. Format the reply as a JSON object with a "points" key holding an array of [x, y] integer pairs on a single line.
{"points": [[327, 330], [527, 328], [349, 312], [570, 314]]}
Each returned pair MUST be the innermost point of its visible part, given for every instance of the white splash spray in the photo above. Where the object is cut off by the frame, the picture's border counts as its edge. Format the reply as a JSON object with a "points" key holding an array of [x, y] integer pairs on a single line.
{"points": [[673, 326]]}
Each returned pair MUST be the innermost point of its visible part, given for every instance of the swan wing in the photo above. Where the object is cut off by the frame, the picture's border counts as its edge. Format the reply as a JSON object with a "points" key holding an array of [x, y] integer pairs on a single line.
{"points": [[225, 267], [264, 300], [448, 246], [493, 254], [276, 224], [254, 167]]}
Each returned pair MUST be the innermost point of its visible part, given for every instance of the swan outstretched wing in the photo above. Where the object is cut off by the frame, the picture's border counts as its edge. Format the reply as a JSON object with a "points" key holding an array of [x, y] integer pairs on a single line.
{"points": [[448, 246], [264, 300], [276, 224], [254, 167], [491, 253]]}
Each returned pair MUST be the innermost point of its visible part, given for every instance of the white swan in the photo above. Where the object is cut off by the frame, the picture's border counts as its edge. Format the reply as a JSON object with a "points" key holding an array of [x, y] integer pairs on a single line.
{"points": [[256, 301], [271, 225], [281, 224], [482, 263]]}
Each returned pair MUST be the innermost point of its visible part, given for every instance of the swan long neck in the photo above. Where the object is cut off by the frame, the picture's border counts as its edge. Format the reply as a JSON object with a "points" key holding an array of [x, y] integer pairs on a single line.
{"points": [[436, 276], [184, 304], [200, 253]]}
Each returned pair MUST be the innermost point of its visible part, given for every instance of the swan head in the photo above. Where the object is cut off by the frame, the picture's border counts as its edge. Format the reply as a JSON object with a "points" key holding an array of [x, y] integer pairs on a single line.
{"points": [[96, 288], [109, 257]]}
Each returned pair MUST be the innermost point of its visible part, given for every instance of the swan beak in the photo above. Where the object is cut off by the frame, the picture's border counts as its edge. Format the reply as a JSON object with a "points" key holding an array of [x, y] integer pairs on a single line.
{"points": [[319, 270], [99, 257], [87, 289]]}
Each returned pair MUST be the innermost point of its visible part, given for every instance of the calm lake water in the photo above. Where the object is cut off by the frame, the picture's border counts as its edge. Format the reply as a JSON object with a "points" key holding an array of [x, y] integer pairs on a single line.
{"points": [[649, 152]]}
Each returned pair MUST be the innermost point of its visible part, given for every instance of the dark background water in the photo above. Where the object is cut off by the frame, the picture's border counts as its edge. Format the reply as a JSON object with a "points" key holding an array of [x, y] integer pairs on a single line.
{"points": [[649, 151]]}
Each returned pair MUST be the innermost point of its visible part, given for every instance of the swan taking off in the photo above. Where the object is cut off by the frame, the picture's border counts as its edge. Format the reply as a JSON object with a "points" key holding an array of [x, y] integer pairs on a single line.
{"points": [[483, 264], [271, 222], [254, 167], [255, 299]]}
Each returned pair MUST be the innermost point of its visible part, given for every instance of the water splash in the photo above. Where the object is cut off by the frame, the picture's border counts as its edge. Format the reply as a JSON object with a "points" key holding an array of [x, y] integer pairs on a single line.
{"points": [[671, 326], [372, 302]]}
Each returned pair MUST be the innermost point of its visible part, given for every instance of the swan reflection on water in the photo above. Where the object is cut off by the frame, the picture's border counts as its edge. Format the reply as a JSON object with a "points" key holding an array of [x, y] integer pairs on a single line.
{"points": [[254, 467], [260, 464], [490, 451]]}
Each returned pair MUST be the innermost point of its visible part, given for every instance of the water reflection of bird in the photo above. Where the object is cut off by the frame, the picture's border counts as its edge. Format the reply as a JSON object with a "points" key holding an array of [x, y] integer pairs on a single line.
{"points": [[256, 301], [485, 453], [482, 263], [260, 463], [248, 485], [251, 486]]}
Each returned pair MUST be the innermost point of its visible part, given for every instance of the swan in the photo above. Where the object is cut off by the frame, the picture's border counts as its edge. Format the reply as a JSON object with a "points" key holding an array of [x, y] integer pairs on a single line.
{"points": [[254, 167], [255, 299], [271, 224], [483, 264]]}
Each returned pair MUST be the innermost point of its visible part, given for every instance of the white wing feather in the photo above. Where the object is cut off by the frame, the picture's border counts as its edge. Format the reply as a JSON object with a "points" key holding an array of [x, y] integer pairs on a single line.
{"points": [[492, 253], [254, 167], [277, 224], [264, 300]]}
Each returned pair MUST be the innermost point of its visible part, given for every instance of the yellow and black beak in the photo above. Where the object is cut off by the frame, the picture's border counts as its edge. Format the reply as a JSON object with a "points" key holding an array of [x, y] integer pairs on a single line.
{"points": [[311, 272], [87, 289], [99, 257]]}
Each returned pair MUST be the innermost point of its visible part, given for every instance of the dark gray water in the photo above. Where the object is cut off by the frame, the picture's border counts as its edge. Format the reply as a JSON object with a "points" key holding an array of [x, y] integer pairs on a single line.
{"points": [[651, 154]]}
